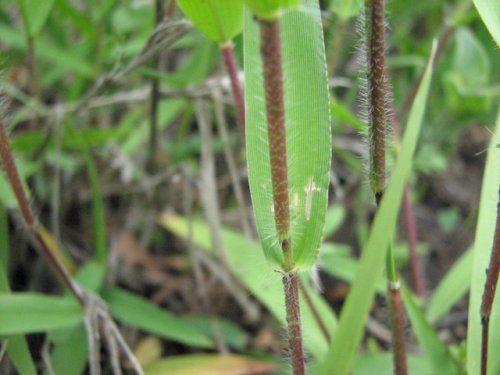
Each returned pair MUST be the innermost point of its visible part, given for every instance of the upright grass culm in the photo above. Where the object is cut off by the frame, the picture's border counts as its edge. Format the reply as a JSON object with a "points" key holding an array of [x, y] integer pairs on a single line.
{"points": [[288, 141], [270, 42], [489, 291], [378, 109]]}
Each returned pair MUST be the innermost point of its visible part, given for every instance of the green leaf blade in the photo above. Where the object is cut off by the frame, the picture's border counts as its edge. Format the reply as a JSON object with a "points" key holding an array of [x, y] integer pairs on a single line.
{"points": [[488, 10], [35, 13], [439, 356], [219, 20], [29, 312], [348, 335], [482, 250], [308, 135]]}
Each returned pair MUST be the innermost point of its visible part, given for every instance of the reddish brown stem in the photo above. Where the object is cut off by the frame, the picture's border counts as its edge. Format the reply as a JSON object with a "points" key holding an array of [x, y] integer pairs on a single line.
{"points": [[397, 328], [232, 70], [377, 92], [290, 283], [28, 216], [270, 42], [378, 98], [411, 235], [315, 312], [489, 292]]}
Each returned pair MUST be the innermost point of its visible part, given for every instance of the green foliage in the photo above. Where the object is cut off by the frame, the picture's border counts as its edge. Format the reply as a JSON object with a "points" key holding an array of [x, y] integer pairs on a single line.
{"points": [[488, 9], [132, 309], [247, 261], [307, 132], [439, 356], [269, 9], [29, 312], [482, 249], [220, 20], [35, 14], [346, 338]]}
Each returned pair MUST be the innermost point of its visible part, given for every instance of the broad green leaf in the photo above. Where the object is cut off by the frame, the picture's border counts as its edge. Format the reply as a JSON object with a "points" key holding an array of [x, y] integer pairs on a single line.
{"points": [[482, 249], [488, 10], [269, 9], [308, 138], [248, 264], [209, 364], [439, 356], [143, 314], [35, 13], [30, 312], [357, 306], [220, 20], [451, 288]]}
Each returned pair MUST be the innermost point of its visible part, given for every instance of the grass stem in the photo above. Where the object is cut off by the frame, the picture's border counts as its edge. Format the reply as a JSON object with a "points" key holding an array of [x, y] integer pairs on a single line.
{"points": [[270, 43], [232, 70], [489, 292], [378, 98], [291, 286], [29, 218]]}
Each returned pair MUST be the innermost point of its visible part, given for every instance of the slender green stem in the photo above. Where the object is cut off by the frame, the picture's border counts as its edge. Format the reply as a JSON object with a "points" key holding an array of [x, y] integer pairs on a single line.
{"points": [[489, 292]]}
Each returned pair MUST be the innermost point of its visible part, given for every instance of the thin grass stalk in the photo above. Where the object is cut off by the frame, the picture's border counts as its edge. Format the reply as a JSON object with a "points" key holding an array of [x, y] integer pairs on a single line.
{"points": [[232, 70], [416, 274], [270, 43], [29, 218], [378, 98], [489, 292], [154, 98]]}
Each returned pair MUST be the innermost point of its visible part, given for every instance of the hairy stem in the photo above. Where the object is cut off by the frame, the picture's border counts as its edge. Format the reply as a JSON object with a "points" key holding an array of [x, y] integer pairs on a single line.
{"points": [[378, 98], [270, 44], [273, 82], [489, 291], [377, 95], [290, 283], [29, 218], [232, 70], [397, 327]]}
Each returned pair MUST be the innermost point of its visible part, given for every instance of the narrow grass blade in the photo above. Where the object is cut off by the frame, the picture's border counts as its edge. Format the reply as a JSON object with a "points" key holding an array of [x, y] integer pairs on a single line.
{"points": [[354, 313], [439, 356], [220, 20], [30, 312], [482, 249], [141, 313], [247, 263], [452, 287], [208, 364], [308, 143]]}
